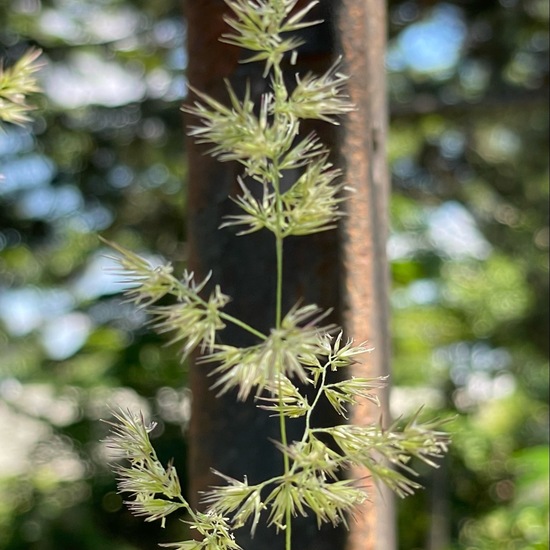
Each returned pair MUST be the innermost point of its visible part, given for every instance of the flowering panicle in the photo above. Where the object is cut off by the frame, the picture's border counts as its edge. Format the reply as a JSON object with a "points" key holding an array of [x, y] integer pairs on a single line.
{"points": [[145, 477], [156, 490], [303, 491], [284, 353], [320, 97], [237, 498], [260, 24], [195, 322], [215, 531], [281, 396], [290, 188], [15, 84], [374, 448], [193, 319]]}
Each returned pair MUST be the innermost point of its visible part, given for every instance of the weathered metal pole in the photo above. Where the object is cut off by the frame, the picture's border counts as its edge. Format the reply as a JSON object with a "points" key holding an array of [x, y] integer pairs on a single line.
{"points": [[234, 437], [362, 33]]}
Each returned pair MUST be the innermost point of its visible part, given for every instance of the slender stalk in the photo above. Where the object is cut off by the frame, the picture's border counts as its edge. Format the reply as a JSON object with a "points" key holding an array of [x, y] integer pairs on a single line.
{"points": [[280, 96], [278, 310], [314, 403], [282, 418], [279, 291], [242, 324]]}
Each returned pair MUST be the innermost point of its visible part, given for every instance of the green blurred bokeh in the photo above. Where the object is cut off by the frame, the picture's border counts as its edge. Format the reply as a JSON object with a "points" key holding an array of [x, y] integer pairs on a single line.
{"points": [[468, 152]]}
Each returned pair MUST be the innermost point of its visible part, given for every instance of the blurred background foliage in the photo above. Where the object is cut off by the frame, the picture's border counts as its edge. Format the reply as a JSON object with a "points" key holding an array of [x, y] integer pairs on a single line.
{"points": [[468, 151]]}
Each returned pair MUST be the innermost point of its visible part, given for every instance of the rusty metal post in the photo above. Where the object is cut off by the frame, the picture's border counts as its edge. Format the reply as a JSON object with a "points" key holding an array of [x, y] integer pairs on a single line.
{"points": [[362, 33], [234, 437]]}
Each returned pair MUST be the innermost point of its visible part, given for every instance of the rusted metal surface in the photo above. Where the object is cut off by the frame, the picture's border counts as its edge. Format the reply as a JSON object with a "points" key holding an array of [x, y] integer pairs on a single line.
{"points": [[362, 32], [234, 437]]}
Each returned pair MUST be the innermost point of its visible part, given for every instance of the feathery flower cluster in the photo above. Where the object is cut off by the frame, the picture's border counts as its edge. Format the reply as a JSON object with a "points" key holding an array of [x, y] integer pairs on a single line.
{"points": [[145, 477], [299, 351], [16, 83], [156, 490]]}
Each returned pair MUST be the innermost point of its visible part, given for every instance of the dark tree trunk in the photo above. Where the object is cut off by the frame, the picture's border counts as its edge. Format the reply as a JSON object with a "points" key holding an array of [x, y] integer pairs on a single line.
{"points": [[234, 437]]}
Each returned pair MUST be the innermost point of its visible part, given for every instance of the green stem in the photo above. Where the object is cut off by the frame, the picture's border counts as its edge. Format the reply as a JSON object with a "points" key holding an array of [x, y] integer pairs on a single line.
{"points": [[242, 324], [281, 98], [279, 295], [314, 403], [282, 418], [279, 87], [307, 429]]}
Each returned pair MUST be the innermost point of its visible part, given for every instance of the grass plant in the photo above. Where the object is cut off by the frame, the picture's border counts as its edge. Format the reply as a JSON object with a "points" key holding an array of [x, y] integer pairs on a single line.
{"points": [[301, 349]]}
